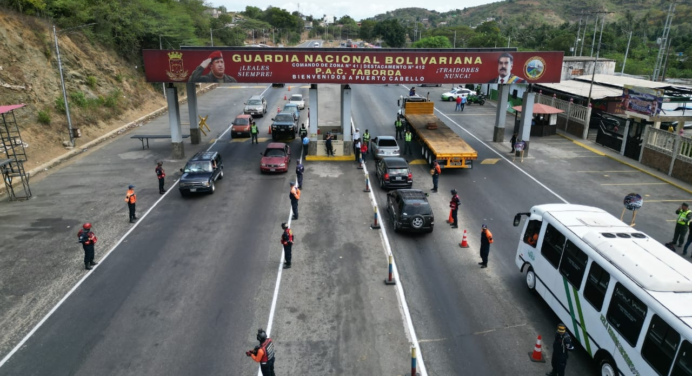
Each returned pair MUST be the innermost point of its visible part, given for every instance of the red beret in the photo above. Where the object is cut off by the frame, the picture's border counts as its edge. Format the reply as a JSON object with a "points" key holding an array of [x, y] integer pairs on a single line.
{"points": [[215, 55]]}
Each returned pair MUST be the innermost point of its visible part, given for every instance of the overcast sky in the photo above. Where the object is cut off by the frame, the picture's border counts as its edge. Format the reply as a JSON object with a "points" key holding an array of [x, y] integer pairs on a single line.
{"points": [[357, 9]]}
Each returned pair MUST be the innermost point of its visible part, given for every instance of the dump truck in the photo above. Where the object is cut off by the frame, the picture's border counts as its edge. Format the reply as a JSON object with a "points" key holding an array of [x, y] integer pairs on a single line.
{"points": [[439, 143]]}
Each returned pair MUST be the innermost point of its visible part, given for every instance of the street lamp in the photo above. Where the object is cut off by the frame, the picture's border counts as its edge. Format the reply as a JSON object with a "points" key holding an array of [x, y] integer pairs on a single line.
{"points": [[62, 78], [211, 33]]}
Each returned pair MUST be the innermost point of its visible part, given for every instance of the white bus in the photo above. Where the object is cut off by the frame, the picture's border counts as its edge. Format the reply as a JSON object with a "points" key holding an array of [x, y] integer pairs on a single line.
{"points": [[626, 298]]}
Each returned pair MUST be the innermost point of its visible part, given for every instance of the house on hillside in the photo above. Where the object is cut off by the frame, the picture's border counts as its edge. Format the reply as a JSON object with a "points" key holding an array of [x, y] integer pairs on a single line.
{"points": [[328, 19], [308, 25], [443, 23], [574, 66], [215, 13]]}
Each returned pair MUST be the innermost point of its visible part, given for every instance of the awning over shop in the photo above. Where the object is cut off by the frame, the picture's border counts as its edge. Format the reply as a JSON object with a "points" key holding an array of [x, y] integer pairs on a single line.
{"points": [[539, 108]]}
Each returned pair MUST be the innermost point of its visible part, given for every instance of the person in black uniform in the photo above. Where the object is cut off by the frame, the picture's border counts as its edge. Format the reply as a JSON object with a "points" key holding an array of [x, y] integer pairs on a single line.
{"points": [[161, 174], [87, 239], [287, 242], [300, 169], [294, 195], [561, 346]]}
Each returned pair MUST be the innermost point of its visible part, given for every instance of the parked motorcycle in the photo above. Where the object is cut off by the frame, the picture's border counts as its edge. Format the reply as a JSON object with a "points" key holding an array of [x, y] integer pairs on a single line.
{"points": [[480, 99]]}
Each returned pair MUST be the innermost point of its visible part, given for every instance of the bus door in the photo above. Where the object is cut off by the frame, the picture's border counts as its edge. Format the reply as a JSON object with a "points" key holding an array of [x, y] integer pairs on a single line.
{"points": [[552, 245]]}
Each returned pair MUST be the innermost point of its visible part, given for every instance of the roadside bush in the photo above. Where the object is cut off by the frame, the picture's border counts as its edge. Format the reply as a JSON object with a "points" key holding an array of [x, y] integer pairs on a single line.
{"points": [[91, 82], [78, 99], [60, 104], [119, 77], [44, 117], [113, 98]]}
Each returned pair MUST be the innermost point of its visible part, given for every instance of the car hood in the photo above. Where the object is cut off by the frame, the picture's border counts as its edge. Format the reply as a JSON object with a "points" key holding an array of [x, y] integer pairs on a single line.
{"points": [[273, 160], [283, 124], [240, 126], [253, 106], [195, 176]]}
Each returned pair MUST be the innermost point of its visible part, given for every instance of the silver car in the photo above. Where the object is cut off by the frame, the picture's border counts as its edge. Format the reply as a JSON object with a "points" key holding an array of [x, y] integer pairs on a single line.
{"points": [[384, 146], [256, 106]]}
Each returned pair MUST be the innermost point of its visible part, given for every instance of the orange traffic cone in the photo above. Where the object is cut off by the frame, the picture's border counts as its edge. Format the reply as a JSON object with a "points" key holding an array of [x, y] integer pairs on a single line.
{"points": [[289, 88], [450, 220], [464, 242], [284, 96], [537, 354], [270, 130]]}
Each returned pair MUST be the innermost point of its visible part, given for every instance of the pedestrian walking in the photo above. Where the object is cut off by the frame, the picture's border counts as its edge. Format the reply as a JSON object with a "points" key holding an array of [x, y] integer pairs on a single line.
{"points": [[300, 169], [486, 241], [689, 239], [264, 353], [88, 240], [561, 348], [454, 205], [306, 143], [399, 125], [435, 172], [408, 140], [458, 107], [160, 174], [366, 140], [253, 133], [287, 241], [294, 195], [363, 151], [131, 199], [328, 145], [357, 150], [513, 141], [681, 224]]}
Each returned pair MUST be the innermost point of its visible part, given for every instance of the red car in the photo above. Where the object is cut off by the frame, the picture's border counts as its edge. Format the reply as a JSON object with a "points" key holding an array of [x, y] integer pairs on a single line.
{"points": [[241, 125], [275, 158]]}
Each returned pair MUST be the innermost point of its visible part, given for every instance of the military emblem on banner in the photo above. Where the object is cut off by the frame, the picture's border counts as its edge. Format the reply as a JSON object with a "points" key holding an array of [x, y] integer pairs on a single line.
{"points": [[177, 71], [534, 68]]}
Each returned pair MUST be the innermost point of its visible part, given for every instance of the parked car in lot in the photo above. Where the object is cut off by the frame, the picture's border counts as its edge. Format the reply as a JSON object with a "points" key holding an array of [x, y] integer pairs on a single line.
{"points": [[241, 125], [458, 92], [201, 172], [394, 172], [410, 210], [283, 125], [384, 146], [256, 106], [423, 85], [276, 158], [293, 109], [298, 100]]}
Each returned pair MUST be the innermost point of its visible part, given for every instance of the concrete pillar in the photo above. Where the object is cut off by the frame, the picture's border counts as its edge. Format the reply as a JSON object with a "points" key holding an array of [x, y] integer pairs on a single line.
{"points": [[346, 118], [312, 110], [501, 116], [526, 117], [657, 124], [178, 151], [625, 137], [676, 150], [195, 134], [645, 139]]}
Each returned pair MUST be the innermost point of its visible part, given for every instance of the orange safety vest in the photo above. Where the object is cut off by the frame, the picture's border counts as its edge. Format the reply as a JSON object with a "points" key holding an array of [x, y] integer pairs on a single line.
{"points": [[131, 197], [489, 235], [296, 193]]}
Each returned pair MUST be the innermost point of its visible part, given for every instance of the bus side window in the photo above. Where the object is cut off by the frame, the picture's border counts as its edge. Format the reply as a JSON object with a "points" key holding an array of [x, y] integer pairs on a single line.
{"points": [[596, 286], [660, 345], [573, 264], [553, 244], [683, 365], [626, 314], [532, 230]]}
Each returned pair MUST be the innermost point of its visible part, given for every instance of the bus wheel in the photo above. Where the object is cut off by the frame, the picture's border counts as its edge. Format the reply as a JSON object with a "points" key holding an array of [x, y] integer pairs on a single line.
{"points": [[531, 279], [608, 367]]}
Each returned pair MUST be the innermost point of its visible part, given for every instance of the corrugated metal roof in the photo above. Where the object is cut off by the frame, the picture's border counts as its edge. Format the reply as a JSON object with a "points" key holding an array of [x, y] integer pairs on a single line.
{"points": [[621, 81], [581, 89]]}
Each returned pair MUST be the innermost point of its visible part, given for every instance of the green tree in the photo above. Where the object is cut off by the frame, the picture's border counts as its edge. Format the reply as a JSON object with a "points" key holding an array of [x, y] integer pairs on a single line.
{"points": [[346, 20], [253, 12], [433, 42], [392, 33], [367, 30]]}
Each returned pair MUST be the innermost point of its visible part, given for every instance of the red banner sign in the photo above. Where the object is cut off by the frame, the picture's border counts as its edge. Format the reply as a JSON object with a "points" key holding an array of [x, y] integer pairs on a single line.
{"points": [[351, 66]]}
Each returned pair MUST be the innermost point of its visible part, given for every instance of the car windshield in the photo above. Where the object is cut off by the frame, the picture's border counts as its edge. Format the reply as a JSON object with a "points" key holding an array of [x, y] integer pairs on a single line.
{"points": [[296, 98], [274, 153], [398, 171], [198, 167], [415, 208], [284, 118], [290, 107], [387, 143], [254, 102], [242, 121]]}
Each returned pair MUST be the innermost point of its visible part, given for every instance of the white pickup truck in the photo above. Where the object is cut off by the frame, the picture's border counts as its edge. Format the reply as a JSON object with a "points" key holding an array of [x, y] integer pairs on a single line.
{"points": [[298, 100]]}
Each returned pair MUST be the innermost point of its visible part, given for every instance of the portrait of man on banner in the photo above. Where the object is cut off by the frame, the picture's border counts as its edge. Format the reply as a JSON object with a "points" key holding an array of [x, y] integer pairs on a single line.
{"points": [[216, 72], [504, 70]]}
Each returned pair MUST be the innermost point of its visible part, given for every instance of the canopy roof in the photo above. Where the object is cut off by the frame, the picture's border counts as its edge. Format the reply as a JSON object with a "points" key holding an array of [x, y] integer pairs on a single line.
{"points": [[6, 109], [539, 108]]}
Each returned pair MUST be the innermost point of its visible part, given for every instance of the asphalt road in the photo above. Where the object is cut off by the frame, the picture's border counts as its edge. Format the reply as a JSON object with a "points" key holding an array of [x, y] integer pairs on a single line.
{"points": [[469, 320]]}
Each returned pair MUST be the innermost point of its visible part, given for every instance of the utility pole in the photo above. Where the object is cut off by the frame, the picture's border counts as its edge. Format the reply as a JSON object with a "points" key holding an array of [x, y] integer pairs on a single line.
{"points": [[581, 50], [664, 42], [595, 27], [576, 40], [455, 39], [626, 52], [162, 84], [665, 65], [598, 51]]}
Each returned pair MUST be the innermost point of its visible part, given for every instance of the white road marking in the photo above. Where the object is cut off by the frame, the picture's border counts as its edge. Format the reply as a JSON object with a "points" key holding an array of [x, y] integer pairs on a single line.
{"points": [[395, 274], [79, 283]]}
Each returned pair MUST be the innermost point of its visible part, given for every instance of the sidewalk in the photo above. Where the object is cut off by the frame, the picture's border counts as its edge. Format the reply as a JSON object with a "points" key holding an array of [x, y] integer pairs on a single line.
{"points": [[40, 259]]}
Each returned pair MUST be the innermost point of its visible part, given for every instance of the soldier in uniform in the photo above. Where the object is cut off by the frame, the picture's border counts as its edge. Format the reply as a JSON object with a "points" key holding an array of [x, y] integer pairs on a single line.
{"points": [[87, 239], [287, 242], [161, 174], [216, 73], [264, 353], [561, 346]]}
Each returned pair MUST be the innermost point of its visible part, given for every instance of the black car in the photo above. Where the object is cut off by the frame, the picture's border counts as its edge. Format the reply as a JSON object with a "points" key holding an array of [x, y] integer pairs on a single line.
{"points": [[393, 172], [283, 125], [410, 210], [200, 173]]}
